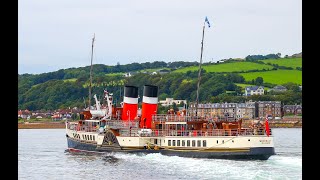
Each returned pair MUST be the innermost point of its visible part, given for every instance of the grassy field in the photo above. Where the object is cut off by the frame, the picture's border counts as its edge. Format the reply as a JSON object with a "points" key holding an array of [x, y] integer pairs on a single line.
{"points": [[152, 70], [288, 62], [70, 80], [228, 67], [115, 74], [276, 77]]}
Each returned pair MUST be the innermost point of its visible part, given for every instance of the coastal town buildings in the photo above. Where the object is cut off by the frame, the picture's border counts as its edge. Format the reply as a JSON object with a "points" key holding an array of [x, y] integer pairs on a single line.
{"points": [[272, 108], [222, 111], [227, 111], [292, 110]]}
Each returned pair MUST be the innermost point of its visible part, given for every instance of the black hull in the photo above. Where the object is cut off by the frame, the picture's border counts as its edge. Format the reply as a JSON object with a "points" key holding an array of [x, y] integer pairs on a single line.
{"points": [[73, 144], [260, 153]]}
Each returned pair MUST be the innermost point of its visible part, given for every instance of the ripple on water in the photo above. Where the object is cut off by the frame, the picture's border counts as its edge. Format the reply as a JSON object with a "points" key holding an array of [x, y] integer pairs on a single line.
{"points": [[43, 153]]}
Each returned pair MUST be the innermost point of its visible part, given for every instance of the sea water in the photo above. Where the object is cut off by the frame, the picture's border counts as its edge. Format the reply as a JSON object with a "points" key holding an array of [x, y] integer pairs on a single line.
{"points": [[42, 155]]}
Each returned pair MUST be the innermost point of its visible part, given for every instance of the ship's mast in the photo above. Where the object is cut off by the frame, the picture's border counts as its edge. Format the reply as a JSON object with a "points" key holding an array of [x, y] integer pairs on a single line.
{"points": [[199, 75], [91, 72]]}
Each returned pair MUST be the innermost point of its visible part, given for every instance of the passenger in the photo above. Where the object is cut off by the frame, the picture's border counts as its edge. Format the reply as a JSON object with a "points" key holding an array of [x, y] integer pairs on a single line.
{"points": [[182, 130]]}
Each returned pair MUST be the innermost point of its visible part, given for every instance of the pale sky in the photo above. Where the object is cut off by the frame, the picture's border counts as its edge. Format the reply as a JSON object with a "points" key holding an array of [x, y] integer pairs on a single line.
{"points": [[57, 34]]}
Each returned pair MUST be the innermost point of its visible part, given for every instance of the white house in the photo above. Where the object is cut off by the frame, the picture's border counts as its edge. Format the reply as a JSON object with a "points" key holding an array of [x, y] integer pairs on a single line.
{"points": [[254, 90], [170, 101]]}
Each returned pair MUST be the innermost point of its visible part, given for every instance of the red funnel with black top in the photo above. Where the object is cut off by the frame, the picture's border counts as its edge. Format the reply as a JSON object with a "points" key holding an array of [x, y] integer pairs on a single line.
{"points": [[149, 105], [130, 103]]}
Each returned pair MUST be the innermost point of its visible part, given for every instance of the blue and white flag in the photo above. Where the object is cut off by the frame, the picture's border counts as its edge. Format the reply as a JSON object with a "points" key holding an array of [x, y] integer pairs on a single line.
{"points": [[207, 21]]}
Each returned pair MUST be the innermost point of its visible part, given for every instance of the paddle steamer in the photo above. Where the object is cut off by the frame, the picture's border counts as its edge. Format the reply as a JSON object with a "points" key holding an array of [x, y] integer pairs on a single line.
{"points": [[122, 129]]}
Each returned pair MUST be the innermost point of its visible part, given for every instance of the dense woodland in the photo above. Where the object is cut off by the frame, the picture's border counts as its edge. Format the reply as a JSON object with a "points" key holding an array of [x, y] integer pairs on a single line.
{"points": [[54, 90]]}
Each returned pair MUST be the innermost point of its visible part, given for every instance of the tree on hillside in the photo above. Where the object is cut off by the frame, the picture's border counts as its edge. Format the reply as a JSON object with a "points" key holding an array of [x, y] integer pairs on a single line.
{"points": [[259, 81]]}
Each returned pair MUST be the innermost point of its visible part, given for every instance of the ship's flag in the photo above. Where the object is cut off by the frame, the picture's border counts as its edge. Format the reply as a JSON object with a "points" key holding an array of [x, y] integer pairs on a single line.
{"points": [[207, 21], [267, 126]]}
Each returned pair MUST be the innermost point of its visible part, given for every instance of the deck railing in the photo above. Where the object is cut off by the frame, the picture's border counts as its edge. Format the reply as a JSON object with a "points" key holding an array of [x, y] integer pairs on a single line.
{"points": [[194, 133], [174, 118], [130, 128], [113, 124]]}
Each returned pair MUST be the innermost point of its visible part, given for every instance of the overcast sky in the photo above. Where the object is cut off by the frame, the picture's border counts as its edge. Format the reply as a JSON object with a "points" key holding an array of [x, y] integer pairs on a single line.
{"points": [[57, 34]]}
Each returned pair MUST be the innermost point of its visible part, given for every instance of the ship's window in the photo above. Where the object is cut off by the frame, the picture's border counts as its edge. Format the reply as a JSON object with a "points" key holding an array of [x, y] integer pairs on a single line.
{"points": [[204, 143], [222, 141], [90, 137], [93, 138], [178, 142], [82, 136], [199, 143], [217, 141], [193, 143], [173, 142], [183, 143], [169, 142], [232, 140], [248, 139], [188, 143]]}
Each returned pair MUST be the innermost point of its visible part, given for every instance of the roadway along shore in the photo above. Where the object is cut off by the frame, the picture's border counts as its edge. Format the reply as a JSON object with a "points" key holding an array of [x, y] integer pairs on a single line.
{"points": [[42, 125], [245, 124]]}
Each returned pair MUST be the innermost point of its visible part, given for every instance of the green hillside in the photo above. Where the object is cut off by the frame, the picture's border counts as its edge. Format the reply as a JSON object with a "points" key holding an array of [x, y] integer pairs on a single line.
{"points": [[276, 77], [69, 87], [288, 62], [228, 67]]}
